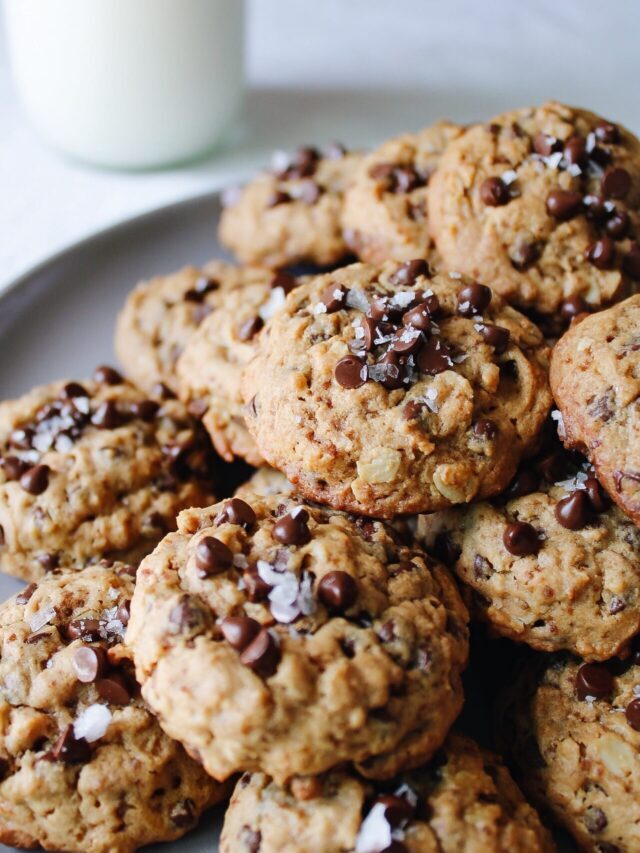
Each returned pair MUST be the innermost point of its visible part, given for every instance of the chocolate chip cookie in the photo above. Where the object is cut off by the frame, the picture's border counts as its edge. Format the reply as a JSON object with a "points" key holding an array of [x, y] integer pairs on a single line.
{"points": [[292, 212], [554, 564], [210, 368], [161, 314], [285, 638], [385, 390], [573, 731], [84, 766], [595, 376], [94, 469], [385, 208], [544, 203], [464, 800]]}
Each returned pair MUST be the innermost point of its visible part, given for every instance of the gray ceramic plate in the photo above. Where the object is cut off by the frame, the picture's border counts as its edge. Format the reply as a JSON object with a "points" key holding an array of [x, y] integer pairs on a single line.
{"points": [[57, 321]]}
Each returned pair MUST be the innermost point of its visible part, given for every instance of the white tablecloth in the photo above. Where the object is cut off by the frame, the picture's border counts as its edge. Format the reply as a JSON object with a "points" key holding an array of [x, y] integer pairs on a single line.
{"points": [[357, 70]]}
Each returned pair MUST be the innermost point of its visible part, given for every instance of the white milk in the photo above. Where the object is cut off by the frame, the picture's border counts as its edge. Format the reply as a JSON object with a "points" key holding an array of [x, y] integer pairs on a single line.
{"points": [[128, 83]]}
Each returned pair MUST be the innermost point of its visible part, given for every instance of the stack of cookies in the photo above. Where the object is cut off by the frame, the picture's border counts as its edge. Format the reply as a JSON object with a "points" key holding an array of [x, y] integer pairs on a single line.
{"points": [[254, 561]]}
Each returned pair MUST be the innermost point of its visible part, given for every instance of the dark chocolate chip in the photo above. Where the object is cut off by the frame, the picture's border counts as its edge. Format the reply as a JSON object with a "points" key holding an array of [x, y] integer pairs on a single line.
{"points": [[596, 494], [495, 336], [162, 391], [262, 655], [333, 297], [88, 630], [575, 151], [631, 262], [14, 467], [494, 192], [49, 561], [146, 410], [407, 341], [545, 145], [24, 596], [615, 183], [434, 357], [524, 254], [239, 631], [69, 749], [292, 528], [256, 588], [418, 317], [183, 814], [338, 591], [409, 272], [574, 512], [413, 410], [473, 299], [107, 416], [564, 204], [397, 810], [89, 663], [632, 713], [618, 224], [212, 557], [394, 371], [73, 390], [186, 617], [237, 511], [107, 375], [35, 480], [607, 132], [349, 372], [521, 539], [572, 307], [593, 679], [250, 328], [485, 429], [602, 253], [114, 689]]}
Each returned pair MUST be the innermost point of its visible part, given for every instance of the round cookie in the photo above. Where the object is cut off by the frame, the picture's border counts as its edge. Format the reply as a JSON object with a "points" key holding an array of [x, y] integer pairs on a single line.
{"points": [[554, 565], [544, 203], [463, 801], [573, 732], [264, 482], [84, 765], [93, 470], [595, 376], [291, 214], [382, 390], [161, 314], [286, 638], [210, 368], [385, 208]]}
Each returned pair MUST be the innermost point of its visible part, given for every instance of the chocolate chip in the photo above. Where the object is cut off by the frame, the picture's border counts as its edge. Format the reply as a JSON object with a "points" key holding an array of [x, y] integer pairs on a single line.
{"points": [[434, 357], [394, 371], [88, 630], [573, 306], [602, 253], [22, 438], [146, 410], [574, 512], [107, 416], [632, 713], [292, 528], [277, 198], [446, 549], [114, 689], [408, 272], [575, 150], [237, 511], [333, 297], [397, 810], [49, 561], [564, 204], [615, 183], [607, 132], [24, 596], [35, 480], [418, 317], [544, 145], [413, 410], [73, 390], [107, 375], [14, 467], [593, 680], [595, 819], [631, 262], [183, 814], [485, 429], [89, 663], [596, 494], [256, 588], [494, 192], [250, 328], [123, 613], [407, 341], [495, 336], [521, 539], [338, 591], [162, 391], [553, 466], [69, 749], [618, 225], [524, 254], [186, 617], [473, 299], [262, 655], [349, 372], [239, 631], [212, 557]]}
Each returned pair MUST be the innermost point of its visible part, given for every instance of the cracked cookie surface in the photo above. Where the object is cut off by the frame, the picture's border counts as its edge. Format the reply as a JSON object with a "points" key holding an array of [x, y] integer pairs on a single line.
{"points": [[85, 765], [385, 390], [464, 801], [94, 469], [285, 638], [545, 203]]}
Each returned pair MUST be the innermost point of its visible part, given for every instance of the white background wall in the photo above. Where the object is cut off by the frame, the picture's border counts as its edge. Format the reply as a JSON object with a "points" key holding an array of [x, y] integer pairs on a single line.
{"points": [[357, 70]]}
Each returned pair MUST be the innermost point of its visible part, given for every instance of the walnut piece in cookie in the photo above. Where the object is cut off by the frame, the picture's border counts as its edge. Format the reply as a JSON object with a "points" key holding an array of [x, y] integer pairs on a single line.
{"points": [[572, 731], [210, 368], [94, 469], [554, 564], [545, 203], [292, 212], [385, 208], [463, 800], [385, 390], [84, 764], [595, 377], [286, 638]]}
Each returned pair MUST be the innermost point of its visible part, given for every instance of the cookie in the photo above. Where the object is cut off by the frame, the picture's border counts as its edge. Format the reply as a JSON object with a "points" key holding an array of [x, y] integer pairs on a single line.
{"points": [[285, 638], [385, 208], [553, 565], [572, 729], [464, 800], [93, 470], [385, 390], [210, 368], [161, 314], [543, 203], [84, 765], [265, 482], [291, 213], [595, 376]]}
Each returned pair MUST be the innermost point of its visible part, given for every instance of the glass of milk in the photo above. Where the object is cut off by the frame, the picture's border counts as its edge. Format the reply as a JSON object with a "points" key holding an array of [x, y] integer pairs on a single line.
{"points": [[128, 83]]}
